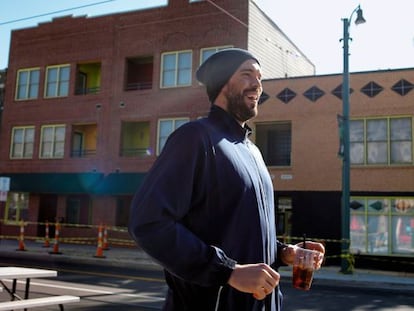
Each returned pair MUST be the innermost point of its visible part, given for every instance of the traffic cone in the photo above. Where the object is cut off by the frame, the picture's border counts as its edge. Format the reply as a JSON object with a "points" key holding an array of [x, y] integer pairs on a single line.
{"points": [[105, 238], [56, 242], [47, 243], [99, 249], [21, 237]]}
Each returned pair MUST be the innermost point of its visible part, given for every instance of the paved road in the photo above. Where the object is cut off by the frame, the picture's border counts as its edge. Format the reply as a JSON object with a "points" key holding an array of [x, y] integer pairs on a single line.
{"points": [[114, 289]]}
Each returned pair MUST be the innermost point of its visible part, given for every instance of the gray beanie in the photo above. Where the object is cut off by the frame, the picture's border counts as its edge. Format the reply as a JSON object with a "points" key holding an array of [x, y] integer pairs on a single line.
{"points": [[219, 67]]}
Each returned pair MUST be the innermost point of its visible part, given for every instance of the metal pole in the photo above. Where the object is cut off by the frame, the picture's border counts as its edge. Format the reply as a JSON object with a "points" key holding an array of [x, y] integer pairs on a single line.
{"points": [[345, 266]]}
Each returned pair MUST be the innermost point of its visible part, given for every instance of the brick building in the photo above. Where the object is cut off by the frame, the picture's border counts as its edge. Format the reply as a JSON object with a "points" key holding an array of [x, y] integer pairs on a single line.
{"points": [[298, 132], [87, 114]]}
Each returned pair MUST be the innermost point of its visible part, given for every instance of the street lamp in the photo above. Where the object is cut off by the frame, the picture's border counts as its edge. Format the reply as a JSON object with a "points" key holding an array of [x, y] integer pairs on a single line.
{"points": [[345, 265]]}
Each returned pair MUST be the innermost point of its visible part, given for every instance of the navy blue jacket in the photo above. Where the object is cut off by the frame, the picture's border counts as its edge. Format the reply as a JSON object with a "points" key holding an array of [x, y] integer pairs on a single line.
{"points": [[207, 203]]}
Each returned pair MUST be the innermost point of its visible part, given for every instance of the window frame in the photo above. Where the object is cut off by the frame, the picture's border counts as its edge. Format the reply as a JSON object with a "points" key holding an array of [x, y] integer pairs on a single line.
{"points": [[389, 141], [24, 142], [385, 238], [176, 69], [54, 154], [161, 144], [58, 89], [28, 85], [271, 158], [213, 49], [19, 202]]}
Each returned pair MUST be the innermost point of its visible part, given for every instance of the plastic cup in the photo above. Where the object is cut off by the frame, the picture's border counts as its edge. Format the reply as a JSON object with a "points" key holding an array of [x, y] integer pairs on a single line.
{"points": [[305, 263]]}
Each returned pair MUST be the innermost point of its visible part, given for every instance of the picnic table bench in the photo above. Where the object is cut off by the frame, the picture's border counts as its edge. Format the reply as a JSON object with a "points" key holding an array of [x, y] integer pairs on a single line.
{"points": [[38, 302]]}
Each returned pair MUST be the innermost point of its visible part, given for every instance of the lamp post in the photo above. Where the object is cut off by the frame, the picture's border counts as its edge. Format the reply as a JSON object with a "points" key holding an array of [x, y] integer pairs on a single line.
{"points": [[345, 265]]}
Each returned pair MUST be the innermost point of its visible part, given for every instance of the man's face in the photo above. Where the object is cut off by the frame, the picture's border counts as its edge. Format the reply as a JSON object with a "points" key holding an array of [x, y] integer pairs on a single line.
{"points": [[243, 91]]}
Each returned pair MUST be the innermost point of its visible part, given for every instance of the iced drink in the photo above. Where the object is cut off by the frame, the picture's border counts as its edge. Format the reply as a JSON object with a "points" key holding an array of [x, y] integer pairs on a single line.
{"points": [[305, 263]]}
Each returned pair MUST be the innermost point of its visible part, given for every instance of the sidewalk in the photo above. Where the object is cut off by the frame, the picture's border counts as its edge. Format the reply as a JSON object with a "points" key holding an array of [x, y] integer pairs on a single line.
{"points": [[129, 257]]}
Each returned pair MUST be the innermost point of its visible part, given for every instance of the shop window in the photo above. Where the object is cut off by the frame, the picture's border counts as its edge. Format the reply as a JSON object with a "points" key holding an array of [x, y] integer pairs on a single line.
{"points": [[17, 207], [382, 226]]}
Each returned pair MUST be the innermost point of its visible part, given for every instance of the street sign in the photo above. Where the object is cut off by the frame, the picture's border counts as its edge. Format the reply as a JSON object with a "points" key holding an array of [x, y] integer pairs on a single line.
{"points": [[5, 184]]}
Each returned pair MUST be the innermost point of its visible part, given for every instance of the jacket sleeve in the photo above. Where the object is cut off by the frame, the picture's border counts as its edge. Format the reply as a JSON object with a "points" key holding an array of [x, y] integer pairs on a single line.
{"points": [[164, 200]]}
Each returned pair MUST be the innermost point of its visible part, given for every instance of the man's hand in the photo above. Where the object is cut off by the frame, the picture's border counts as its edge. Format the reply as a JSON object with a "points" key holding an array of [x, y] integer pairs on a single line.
{"points": [[288, 253], [258, 279]]}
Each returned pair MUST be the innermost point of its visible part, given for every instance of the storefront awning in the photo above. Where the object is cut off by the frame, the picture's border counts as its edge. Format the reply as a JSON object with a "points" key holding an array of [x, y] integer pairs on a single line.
{"points": [[67, 183], [119, 183], [58, 183]]}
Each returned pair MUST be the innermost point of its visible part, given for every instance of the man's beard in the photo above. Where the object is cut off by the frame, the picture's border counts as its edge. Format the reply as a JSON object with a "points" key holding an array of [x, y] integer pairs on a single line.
{"points": [[238, 108]]}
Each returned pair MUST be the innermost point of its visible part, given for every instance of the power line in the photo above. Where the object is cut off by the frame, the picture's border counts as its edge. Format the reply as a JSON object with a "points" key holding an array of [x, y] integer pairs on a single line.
{"points": [[55, 12], [228, 13]]}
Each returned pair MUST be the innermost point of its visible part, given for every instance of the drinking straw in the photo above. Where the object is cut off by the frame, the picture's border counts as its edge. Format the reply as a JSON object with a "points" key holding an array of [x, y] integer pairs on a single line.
{"points": [[304, 240]]}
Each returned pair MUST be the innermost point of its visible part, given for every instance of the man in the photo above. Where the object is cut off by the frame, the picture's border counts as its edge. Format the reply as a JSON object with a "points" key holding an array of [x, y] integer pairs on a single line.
{"points": [[205, 211]]}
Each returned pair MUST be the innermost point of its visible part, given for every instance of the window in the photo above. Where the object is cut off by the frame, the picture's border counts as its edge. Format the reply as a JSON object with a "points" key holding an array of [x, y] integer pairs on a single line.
{"points": [[382, 225], [122, 210], [78, 209], [284, 219], [314, 93], [275, 141], [165, 128], [52, 141], [382, 141], [22, 142], [176, 69], [27, 84], [57, 81], [207, 52], [17, 207], [286, 95]]}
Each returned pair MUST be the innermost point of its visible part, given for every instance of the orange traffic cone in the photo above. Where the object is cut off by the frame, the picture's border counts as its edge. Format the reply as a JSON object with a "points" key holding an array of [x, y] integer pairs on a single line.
{"points": [[56, 242], [99, 250], [21, 237], [105, 238], [47, 243]]}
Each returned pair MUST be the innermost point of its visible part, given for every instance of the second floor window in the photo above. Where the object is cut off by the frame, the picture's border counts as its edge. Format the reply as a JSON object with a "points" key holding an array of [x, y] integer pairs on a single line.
{"points": [[27, 84], [57, 81], [275, 142], [165, 128], [207, 52], [52, 141], [176, 69], [381, 141], [22, 143]]}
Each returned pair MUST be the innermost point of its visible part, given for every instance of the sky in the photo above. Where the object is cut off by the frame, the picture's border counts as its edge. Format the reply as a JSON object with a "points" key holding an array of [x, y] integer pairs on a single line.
{"points": [[385, 41]]}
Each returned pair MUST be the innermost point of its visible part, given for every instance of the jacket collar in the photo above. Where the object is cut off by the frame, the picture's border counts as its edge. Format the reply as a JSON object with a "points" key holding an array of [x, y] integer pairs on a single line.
{"points": [[229, 123]]}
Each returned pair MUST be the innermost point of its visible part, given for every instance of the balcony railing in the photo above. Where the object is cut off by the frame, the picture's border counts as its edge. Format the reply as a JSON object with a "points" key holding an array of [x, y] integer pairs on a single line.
{"points": [[82, 153], [135, 152], [88, 90], [138, 86]]}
